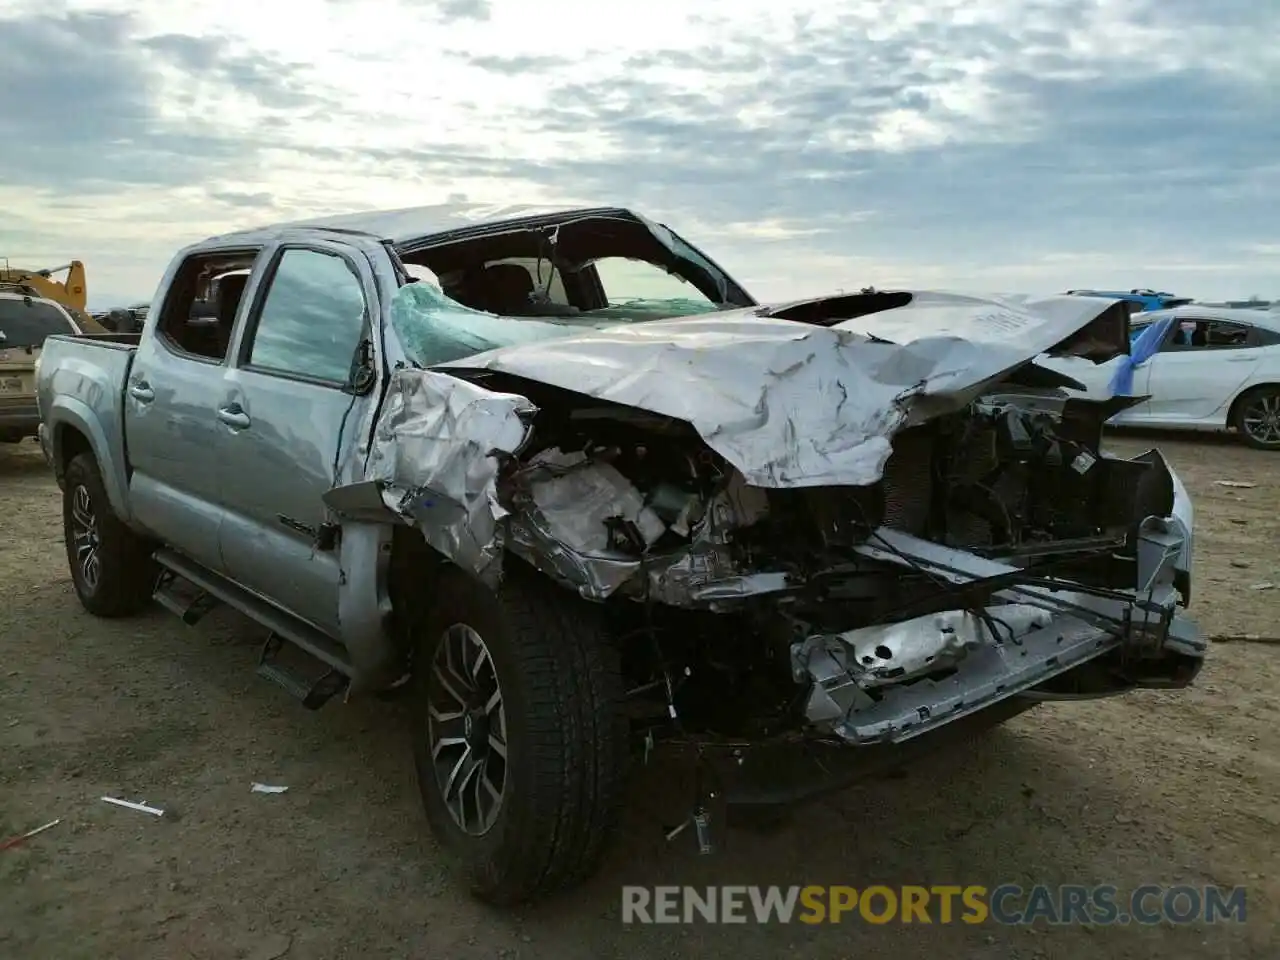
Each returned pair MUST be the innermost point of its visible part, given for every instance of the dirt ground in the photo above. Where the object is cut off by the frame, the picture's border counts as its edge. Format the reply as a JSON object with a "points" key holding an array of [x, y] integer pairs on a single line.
{"points": [[1157, 787]]}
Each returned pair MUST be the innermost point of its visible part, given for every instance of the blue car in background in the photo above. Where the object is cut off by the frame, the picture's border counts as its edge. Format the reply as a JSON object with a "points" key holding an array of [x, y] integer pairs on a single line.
{"points": [[1140, 300]]}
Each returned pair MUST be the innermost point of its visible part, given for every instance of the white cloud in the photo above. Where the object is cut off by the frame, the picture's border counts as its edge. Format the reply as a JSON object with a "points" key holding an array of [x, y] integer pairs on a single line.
{"points": [[972, 144]]}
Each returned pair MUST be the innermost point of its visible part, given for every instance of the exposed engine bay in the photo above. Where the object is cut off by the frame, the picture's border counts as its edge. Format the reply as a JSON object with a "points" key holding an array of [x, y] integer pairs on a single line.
{"points": [[801, 527], [995, 479], [757, 612]]}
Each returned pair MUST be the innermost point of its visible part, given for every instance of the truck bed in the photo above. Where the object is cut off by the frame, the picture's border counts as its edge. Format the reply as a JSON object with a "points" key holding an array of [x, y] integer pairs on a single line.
{"points": [[128, 339], [80, 387]]}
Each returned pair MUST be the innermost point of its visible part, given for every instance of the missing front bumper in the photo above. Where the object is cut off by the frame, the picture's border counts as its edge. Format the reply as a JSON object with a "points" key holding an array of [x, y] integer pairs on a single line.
{"points": [[892, 683], [986, 675]]}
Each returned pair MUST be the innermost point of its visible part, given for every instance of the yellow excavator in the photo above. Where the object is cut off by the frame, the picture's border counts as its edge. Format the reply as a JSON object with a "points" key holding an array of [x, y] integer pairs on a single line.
{"points": [[71, 294]]}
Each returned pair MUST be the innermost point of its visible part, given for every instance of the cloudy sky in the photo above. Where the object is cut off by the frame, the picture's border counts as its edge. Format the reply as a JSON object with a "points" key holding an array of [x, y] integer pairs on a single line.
{"points": [[1019, 145]]}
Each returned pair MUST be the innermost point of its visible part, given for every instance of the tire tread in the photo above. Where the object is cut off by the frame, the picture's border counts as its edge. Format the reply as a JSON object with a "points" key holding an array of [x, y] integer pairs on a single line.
{"points": [[575, 733], [128, 572]]}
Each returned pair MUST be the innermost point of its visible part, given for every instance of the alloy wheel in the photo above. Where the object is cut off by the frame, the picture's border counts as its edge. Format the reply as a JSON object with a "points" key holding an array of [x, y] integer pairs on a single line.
{"points": [[467, 730], [84, 534], [1261, 419]]}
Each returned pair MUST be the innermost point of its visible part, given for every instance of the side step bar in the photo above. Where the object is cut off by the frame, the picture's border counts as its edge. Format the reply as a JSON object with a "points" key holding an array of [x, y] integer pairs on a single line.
{"points": [[190, 606], [286, 629], [313, 692]]}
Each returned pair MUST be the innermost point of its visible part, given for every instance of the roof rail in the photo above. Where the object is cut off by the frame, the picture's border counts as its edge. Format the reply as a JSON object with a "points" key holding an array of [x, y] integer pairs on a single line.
{"points": [[346, 230]]}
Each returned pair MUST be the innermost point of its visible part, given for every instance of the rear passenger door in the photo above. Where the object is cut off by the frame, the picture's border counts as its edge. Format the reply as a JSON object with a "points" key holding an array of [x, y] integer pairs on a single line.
{"points": [[1194, 377], [286, 406], [170, 422]]}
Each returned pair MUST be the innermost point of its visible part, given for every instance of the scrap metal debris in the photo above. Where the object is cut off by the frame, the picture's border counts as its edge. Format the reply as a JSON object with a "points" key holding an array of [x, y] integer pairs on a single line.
{"points": [[267, 788], [1243, 638], [140, 807], [24, 837]]}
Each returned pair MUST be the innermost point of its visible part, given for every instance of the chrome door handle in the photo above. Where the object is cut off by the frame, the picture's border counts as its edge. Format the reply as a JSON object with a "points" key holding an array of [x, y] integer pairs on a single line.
{"points": [[233, 417], [1242, 359], [141, 391]]}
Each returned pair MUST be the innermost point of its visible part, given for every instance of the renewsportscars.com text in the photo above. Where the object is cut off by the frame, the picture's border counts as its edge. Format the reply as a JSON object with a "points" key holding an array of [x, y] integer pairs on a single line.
{"points": [[1006, 904]]}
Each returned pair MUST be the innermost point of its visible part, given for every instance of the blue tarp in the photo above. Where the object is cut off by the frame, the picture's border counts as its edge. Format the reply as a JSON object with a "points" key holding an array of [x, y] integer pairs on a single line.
{"points": [[1140, 351]]}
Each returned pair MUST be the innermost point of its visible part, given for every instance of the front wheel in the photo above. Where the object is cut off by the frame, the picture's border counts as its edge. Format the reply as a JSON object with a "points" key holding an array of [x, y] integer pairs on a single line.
{"points": [[111, 566], [519, 742], [1258, 418]]}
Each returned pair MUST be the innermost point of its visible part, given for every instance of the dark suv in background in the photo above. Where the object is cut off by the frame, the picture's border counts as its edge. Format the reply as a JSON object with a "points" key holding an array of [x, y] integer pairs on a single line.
{"points": [[25, 321]]}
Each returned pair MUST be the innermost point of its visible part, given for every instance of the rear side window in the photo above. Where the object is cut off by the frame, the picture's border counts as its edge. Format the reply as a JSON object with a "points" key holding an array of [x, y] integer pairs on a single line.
{"points": [[191, 323], [1194, 334], [312, 318], [25, 323]]}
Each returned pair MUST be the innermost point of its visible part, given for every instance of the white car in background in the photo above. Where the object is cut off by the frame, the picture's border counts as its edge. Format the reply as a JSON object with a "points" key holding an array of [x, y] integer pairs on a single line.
{"points": [[1202, 368]]}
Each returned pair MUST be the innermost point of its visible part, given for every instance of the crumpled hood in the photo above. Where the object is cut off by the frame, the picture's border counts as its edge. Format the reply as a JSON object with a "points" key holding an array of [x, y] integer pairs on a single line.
{"points": [[794, 404]]}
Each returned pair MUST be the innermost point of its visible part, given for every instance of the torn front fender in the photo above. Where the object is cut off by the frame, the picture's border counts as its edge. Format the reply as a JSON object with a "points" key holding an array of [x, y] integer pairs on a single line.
{"points": [[437, 450]]}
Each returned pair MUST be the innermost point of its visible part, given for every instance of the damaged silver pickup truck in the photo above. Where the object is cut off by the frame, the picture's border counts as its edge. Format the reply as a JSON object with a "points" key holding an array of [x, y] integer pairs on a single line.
{"points": [[567, 486]]}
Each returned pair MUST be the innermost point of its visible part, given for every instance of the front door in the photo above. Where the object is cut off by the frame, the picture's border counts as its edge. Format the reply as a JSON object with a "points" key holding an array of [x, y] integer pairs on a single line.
{"points": [[284, 410]]}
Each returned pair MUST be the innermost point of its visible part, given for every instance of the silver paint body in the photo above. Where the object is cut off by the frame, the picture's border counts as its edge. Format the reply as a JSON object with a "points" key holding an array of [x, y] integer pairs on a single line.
{"points": [[208, 457], [215, 487]]}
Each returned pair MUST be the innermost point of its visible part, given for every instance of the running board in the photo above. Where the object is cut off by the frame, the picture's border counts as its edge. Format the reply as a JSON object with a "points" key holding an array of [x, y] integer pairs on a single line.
{"points": [[313, 691], [284, 628], [188, 605]]}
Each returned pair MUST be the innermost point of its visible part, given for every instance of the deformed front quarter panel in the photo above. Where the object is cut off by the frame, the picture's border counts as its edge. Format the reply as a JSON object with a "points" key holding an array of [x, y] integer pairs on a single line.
{"points": [[437, 452]]}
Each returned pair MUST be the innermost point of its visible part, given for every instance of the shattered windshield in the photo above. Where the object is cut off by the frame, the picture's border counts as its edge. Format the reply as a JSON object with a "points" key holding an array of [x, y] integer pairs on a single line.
{"points": [[432, 328]]}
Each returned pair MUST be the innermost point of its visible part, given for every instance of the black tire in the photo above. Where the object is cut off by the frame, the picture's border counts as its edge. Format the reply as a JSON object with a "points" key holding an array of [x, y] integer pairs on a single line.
{"points": [[565, 738], [1260, 402], [125, 573]]}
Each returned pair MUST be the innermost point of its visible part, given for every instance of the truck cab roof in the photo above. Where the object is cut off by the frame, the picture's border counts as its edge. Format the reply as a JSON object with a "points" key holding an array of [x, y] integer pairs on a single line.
{"points": [[409, 227]]}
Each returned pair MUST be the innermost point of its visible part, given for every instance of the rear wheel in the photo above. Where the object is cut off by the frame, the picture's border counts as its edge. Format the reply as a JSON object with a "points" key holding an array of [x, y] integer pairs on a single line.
{"points": [[519, 742], [111, 566], [1258, 418]]}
